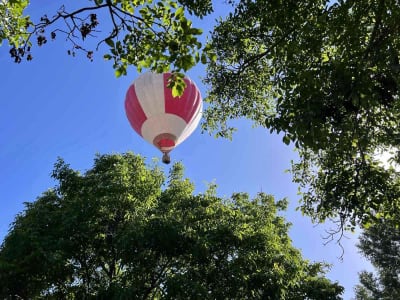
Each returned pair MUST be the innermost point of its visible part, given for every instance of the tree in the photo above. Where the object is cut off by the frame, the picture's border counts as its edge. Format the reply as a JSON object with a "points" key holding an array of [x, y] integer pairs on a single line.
{"points": [[121, 231], [326, 74], [380, 243]]}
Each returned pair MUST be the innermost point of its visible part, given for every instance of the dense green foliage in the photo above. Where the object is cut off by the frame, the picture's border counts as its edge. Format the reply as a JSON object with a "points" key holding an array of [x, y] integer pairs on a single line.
{"points": [[121, 231], [327, 76], [12, 21], [380, 243]]}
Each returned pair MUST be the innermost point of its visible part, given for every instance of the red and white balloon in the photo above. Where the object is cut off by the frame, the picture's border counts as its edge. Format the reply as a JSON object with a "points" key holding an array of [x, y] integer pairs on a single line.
{"points": [[161, 119]]}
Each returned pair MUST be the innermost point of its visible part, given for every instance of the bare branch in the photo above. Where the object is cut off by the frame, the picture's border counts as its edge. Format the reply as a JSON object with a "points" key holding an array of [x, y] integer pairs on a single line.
{"points": [[332, 235]]}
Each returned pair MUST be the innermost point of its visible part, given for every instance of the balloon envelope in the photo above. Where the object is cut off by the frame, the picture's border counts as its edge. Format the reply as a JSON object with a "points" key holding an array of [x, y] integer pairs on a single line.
{"points": [[161, 119]]}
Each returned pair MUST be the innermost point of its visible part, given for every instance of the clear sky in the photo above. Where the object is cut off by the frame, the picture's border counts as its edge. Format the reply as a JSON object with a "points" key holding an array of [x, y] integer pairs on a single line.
{"points": [[59, 106]]}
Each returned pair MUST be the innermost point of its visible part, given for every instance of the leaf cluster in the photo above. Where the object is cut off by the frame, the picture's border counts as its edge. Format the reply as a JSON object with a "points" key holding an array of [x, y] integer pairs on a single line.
{"points": [[13, 27]]}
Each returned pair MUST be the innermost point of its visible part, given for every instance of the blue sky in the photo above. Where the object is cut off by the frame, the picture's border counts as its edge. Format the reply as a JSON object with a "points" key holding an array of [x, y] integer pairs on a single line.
{"points": [[59, 106]]}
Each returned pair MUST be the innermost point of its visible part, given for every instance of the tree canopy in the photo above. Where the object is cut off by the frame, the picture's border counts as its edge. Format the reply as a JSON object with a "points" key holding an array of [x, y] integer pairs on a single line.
{"points": [[380, 243], [327, 76], [121, 230], [325, 73]]}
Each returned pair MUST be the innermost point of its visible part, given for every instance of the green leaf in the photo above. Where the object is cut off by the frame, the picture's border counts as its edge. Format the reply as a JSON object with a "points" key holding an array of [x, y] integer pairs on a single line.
{"points": [[176, 91], [179, 12], [118, 72], [195, 31], [325, 57], [286, 139], [203, 58], [110, 42]]}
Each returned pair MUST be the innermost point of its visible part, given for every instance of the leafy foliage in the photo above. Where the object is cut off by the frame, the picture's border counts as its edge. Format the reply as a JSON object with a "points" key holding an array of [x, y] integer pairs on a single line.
{"points": [[13, 25], [380, 243], [121, 231], [142, 33], [326, 74]]}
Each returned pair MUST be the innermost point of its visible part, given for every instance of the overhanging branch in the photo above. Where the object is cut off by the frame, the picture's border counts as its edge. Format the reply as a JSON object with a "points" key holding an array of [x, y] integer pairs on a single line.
{"points": [[75, 22]]}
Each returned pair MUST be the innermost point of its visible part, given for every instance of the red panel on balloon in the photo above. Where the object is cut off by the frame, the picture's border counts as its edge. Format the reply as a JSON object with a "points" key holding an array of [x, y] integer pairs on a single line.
{"points": [[184, 106], [165, 143], [134, 111]]}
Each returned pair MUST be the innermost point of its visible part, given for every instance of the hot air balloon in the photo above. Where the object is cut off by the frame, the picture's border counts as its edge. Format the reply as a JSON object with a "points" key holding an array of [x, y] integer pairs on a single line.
{"points": [[161, 119]]}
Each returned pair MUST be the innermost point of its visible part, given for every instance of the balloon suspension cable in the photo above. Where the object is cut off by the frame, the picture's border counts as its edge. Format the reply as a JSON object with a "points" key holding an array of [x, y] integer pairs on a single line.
{"points": [[166, 159]]}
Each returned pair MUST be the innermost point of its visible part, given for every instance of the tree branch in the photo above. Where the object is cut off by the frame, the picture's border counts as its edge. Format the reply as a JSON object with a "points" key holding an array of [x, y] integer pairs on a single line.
{"points": [[374, 34], [251, 60], [47, 22], [70, 20], [156, 279]]}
